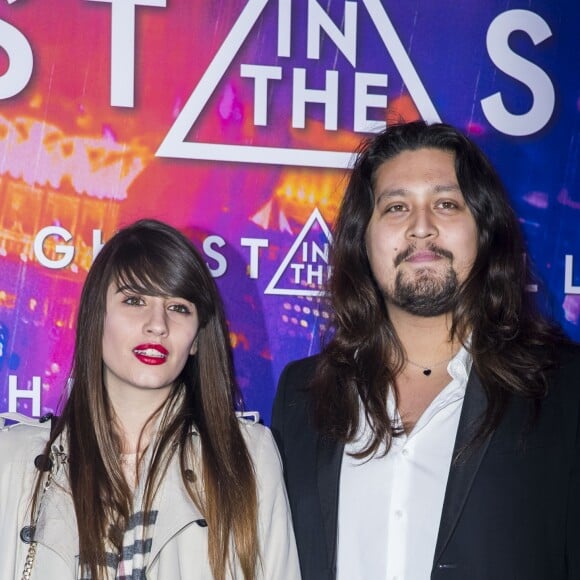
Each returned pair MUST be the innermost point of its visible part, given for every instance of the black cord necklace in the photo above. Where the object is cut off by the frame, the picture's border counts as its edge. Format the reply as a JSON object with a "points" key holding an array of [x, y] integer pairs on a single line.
{"points": [[428, 369]]}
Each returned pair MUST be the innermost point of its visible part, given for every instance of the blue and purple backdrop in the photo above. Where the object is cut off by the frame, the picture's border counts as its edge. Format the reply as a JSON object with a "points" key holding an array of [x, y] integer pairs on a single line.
{"points": [[234, 121]]}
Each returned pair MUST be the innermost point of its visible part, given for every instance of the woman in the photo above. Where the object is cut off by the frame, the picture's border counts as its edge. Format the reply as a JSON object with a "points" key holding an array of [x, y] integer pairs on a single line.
{"points": [[147, 473]]}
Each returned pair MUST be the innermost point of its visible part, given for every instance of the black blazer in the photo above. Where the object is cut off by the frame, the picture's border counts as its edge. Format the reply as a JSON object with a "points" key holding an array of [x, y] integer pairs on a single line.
{"points": [[512, 505]]}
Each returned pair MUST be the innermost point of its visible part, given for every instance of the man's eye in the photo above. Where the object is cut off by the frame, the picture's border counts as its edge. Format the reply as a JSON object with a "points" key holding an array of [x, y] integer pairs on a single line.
{"points": [[448, 205], [395, 208]]}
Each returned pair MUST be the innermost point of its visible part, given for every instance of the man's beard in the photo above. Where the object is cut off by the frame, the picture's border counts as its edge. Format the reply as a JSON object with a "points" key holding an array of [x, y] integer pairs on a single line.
{"points": [[424, 293]]}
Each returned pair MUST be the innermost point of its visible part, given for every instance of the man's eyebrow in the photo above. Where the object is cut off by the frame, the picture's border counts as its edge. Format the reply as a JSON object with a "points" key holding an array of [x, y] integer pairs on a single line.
{"points": [[389, 193], [447, 187], [403, 192]]}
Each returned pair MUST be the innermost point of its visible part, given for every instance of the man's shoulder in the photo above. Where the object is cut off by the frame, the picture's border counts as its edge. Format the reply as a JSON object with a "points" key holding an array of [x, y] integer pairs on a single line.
{"points": [[568, 372], [292, 404], [300, 371], [570, 354]]}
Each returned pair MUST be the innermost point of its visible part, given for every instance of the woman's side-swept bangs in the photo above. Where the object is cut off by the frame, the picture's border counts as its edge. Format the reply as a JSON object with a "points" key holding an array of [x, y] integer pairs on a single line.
{"points": [[163, 265]]}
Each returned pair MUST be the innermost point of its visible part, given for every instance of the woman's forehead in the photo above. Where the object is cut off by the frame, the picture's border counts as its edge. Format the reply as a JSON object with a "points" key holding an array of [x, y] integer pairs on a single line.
{"points": [[130, 280]]}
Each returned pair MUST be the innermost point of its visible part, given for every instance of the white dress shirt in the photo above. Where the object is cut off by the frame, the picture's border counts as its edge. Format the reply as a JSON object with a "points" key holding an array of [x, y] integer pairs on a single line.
{"points": [[390, 507]]}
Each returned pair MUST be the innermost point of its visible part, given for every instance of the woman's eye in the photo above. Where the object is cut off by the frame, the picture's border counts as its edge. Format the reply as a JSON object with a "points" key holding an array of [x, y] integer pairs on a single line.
{"points": [[448, 205], [133, 301], [181, 308]]}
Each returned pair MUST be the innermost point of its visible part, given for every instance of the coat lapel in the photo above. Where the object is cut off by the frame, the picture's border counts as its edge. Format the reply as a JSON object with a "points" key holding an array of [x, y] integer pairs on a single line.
{"points": [[57, 525], [176, 509], [464, 468], [329, 461]]}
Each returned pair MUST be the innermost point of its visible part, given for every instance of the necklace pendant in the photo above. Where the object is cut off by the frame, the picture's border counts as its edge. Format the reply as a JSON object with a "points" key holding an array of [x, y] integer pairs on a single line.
{"points": [[426, 372]]}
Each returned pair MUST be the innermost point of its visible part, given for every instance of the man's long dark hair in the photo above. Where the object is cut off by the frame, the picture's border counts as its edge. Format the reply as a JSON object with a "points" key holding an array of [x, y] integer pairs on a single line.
{"points": [[512, 345]]}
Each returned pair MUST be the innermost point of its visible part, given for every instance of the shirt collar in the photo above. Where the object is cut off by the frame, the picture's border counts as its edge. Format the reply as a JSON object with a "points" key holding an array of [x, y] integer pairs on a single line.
{"points": [[459, 366]]}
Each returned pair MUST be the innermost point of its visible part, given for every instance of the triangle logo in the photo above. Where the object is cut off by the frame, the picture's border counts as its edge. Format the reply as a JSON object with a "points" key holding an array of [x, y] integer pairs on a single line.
{"points": [[305, 269], [175, 144]]}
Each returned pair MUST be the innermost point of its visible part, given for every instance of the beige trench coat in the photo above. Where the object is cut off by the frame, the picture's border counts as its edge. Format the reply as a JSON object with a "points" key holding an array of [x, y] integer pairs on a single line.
{"points": [[179, 549]]}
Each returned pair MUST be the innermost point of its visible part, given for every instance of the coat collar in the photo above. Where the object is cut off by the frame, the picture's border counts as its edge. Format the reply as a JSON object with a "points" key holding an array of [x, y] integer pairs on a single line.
{"points": [[57, 526], [465, 465]]}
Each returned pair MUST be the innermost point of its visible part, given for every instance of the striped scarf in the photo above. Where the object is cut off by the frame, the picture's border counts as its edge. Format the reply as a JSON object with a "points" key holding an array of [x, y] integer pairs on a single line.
{"points": [[137, 542], [132, 562]]}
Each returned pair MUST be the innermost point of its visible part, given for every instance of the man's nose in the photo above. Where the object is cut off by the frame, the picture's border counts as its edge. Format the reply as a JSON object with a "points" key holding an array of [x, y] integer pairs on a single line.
{"points": [[422, 224]]}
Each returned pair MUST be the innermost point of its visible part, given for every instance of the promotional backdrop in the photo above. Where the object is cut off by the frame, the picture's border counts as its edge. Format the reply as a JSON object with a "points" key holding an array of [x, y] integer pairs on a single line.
{"points": [[235, 121]]}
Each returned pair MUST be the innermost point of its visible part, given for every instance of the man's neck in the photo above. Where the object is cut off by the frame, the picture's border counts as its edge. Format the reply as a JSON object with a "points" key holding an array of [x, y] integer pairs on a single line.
{"points": [[427, 348], [425, 339]]}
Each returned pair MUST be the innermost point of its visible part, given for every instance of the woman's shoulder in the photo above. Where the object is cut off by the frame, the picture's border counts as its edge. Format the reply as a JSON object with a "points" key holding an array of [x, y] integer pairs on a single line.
{"points": [[252, 430], [258, 438], [21, 437]]}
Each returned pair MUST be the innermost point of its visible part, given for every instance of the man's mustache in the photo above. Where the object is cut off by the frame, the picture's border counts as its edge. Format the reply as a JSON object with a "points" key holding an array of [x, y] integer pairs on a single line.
{"points": [[402, 256]]}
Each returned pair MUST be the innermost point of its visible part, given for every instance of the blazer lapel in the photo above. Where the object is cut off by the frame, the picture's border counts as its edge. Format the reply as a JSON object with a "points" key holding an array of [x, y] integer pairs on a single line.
{"points": [[329, 462], [464, 469]]}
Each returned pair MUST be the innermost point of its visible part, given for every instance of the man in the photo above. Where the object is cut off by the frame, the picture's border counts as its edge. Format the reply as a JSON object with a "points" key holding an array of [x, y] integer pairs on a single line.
{"points": [[437, 435]]}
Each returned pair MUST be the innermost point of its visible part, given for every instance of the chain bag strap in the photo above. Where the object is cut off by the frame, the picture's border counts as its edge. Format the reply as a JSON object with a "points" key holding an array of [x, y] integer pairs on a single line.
{"points": [[31, 554]]}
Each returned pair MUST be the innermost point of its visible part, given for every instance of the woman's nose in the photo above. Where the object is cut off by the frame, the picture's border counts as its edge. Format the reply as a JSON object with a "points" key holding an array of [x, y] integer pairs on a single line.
{"points": [[156, 322]]}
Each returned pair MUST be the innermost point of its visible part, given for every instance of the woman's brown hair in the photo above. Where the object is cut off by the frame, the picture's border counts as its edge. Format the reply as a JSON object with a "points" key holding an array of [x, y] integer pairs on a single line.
{"points": [[152, 258]]}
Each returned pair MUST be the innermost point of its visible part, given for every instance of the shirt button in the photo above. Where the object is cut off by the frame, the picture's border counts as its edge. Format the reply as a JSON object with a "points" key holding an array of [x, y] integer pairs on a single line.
{"points": [[26, 534], [398, 514], [405, 452]]}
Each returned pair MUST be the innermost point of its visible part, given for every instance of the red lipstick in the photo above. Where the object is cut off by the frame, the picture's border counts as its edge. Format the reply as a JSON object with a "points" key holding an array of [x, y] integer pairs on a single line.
{"points": [[151, 354]]}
